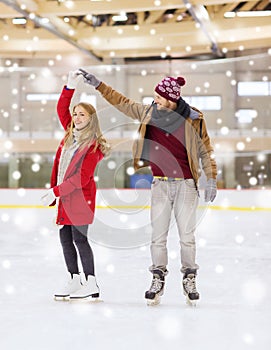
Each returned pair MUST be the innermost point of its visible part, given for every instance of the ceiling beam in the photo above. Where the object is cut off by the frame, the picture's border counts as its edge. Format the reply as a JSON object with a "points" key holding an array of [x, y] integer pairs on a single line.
{"points": [[201, 17], [101, 8], [49, 27], [154, 16], [164, 30], [230, 33], [81, 7], [109, 40]]}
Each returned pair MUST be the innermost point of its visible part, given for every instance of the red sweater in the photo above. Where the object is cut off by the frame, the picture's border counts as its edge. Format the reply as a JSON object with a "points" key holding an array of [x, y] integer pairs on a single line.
{"points": [[168, 155]]}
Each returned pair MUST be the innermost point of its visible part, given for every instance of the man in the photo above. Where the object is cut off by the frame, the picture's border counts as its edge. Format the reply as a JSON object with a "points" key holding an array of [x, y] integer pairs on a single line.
{"points": [[172, 140]]}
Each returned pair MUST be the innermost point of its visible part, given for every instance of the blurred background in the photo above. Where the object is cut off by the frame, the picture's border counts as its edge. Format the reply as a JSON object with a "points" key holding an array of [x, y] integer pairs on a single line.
{"points": [[221, 48], [234, 95]]}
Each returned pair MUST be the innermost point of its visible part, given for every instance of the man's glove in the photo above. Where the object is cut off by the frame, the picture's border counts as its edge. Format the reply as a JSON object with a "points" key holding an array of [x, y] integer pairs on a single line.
{"points": [[48, 198], [89, 78], [73, 79], [210, 190]]}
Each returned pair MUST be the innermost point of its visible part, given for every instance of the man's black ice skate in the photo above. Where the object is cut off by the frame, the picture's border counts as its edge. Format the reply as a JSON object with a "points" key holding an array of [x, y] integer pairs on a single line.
{"points": [[157, 288], [189, 288]]}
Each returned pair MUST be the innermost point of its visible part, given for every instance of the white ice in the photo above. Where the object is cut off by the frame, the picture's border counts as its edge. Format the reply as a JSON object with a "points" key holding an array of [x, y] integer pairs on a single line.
{"points": [[234, 280]]}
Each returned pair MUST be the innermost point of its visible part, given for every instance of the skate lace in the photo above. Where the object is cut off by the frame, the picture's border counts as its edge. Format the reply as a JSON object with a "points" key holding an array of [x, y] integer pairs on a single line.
{"points": [[156, 285], [190, 285]]}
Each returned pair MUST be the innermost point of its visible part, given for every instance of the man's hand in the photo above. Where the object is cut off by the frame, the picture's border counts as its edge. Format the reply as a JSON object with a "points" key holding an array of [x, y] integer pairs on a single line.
{"points": [[89, 78], [210, 190]]}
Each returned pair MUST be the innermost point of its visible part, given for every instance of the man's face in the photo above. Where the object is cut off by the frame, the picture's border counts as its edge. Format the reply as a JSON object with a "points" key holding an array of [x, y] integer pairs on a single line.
{"points": [[163, 103]]}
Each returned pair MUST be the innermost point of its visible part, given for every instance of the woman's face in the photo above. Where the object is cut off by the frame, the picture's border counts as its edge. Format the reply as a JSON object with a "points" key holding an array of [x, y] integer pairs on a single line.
{"points": [[80, 117]]}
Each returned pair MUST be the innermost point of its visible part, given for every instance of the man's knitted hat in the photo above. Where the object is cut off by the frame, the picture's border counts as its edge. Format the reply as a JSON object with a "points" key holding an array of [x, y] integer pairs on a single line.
{"points": [[170, 88]]}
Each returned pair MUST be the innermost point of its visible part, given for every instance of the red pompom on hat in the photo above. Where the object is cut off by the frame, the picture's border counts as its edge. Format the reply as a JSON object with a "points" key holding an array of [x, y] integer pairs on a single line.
{"points": [[170, 88]]}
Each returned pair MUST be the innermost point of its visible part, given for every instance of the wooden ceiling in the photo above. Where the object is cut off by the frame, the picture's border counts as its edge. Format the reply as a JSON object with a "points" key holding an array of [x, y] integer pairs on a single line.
{"points": [[154, 29]]}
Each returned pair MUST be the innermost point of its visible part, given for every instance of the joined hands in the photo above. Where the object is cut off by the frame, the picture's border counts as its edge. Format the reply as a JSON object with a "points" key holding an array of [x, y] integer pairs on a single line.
{"points": [[89, 78]]}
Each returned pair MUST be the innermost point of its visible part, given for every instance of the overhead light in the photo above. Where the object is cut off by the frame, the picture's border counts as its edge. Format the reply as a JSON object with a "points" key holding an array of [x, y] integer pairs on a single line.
{"points": [[229, 14], [253, 13], [247, 14], [69, 4], [246, 116], [21, 20], [119, 18], [44, 20], [122, 17], [179, 18]]}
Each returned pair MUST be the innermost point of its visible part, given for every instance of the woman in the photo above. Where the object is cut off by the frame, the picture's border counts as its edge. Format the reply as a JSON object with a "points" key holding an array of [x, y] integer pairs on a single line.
{"points": [[74, 190]]}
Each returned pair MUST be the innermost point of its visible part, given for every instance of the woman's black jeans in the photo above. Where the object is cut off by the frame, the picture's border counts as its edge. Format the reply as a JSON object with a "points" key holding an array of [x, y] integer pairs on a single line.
{"points": [[72, 237]]}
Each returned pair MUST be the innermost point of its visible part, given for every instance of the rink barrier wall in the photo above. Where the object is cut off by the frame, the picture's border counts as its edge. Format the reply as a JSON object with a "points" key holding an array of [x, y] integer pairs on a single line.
{"points": [[239, 200]]}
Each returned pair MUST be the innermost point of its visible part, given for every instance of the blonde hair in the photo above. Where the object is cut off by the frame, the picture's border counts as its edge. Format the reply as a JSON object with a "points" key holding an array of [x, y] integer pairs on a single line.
{"points": [[92, 132]]}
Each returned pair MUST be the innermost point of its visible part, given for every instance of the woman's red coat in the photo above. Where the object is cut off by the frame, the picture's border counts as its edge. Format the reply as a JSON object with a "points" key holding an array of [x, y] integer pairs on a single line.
{"points": [[77, 192]]}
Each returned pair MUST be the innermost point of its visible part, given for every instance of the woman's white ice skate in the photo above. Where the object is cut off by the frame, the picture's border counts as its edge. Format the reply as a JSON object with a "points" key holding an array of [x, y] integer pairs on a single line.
{"points": [[88, 290], [72, 285]]}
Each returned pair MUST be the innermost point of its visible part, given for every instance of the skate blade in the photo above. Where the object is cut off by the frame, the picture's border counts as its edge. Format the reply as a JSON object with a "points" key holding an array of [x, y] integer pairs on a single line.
{"points": [[91, 298], [153, 302], [60, 298], [190, 302], [87, 300]]}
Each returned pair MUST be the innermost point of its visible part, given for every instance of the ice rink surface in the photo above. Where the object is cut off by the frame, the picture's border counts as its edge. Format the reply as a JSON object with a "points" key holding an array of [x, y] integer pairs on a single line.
{"points": [[234, 281]]}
